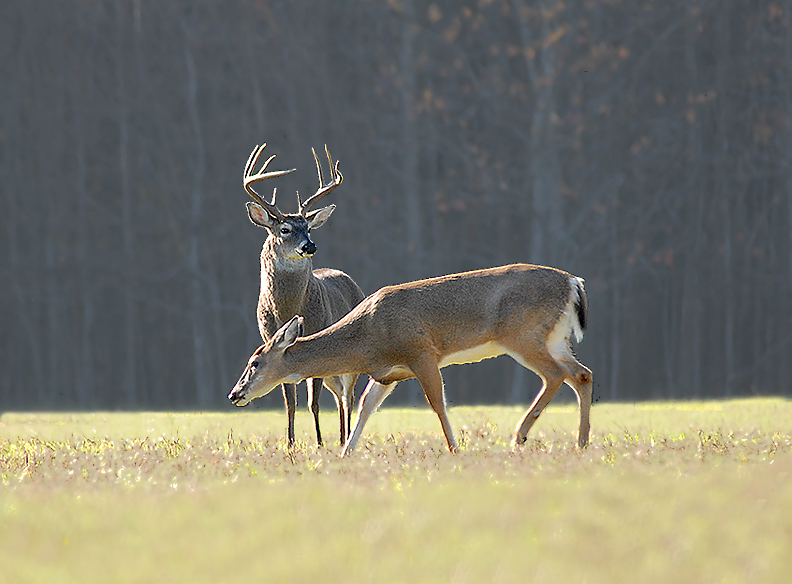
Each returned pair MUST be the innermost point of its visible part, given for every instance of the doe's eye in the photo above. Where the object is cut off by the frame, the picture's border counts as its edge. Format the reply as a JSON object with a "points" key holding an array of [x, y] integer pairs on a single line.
{"points": [[254, 364]]}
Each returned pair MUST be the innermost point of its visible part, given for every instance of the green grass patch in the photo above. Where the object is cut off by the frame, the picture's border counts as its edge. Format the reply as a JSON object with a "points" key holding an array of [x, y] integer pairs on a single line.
{"points": [[666, 492]]}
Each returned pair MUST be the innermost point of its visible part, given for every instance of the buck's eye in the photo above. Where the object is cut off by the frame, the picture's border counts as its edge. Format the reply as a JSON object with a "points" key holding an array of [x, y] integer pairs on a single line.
{"points": [[285, 230]]}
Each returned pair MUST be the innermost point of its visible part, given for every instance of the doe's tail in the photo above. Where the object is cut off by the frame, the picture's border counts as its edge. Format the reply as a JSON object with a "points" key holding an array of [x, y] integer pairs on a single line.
{"points": [[581, 307]]}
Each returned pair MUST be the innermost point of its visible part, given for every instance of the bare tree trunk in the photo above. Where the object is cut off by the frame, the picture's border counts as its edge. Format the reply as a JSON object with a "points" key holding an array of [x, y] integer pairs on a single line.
{"points": [[615, 284], [54, 294], [256, 95], [723, 192], [691, 306], [784, 369], [34, 340], [31, 337], [128, 234], [218, 329], [198, 306], [519, 391], [547, 225], [410, 146], [667, 334], [85, 381], [410, 195]]}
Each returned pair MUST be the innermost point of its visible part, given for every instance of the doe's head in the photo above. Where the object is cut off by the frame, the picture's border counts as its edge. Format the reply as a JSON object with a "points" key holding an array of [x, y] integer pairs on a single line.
{"points": [[267, 367]]}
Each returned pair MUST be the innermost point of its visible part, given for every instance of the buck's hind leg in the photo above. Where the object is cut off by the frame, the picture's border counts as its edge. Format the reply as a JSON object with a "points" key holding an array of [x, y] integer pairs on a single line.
{"points": [[347, 398], [314, 396], [290, 398], [343, 389]]}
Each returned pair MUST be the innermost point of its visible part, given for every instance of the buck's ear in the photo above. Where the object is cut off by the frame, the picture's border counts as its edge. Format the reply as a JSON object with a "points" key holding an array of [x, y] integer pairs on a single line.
{"points": [[288, 333], [317, 218], [259, 216]]}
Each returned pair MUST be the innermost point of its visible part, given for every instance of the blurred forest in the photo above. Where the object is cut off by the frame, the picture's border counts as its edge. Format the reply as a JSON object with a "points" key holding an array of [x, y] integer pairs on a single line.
{"points": [[642, 145]]}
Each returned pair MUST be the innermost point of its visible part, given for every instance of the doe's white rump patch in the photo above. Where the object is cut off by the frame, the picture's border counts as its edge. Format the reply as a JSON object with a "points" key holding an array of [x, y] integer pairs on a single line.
{"points": [[558, 339]]}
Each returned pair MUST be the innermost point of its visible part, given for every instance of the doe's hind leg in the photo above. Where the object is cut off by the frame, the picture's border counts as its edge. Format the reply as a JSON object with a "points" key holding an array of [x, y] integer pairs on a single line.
{"points": [[581, 380], [553, 378]]}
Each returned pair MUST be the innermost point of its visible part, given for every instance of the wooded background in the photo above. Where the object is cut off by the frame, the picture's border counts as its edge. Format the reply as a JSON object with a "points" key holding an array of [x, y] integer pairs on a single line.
{"points": [[642, 145]]}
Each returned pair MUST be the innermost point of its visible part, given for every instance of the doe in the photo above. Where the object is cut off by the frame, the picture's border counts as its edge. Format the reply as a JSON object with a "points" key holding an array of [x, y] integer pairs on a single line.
{"points": [[413, 330]]}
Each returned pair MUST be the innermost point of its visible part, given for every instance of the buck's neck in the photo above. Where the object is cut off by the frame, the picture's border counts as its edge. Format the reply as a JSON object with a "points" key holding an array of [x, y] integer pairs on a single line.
{"points": [[284, 283]]}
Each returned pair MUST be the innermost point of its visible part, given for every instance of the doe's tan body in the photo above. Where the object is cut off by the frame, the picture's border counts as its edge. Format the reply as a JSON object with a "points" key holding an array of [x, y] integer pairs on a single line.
{"points": [[414, 329]]}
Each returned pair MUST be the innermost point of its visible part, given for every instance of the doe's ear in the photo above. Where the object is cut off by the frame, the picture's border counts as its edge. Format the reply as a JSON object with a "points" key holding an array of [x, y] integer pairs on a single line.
{"points": [[288, 333], [259, 216], [317, 218]]}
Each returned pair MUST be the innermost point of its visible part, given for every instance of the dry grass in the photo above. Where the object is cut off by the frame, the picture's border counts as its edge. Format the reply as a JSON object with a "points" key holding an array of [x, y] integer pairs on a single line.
{"points": [[682, 492]]}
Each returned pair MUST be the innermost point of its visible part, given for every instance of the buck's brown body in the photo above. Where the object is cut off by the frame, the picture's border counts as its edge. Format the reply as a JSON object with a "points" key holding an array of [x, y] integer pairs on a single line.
{"points": [[290, 286]]}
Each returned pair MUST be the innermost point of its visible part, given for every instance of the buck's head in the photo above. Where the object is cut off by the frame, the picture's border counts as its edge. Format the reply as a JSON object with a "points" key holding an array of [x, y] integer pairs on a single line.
{"points": [[290, 233], [267, 367]]}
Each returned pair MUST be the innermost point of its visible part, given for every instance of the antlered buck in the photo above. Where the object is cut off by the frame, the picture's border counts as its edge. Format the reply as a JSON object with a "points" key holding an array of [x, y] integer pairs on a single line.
{"points": [[290, 286], [413, 330]]}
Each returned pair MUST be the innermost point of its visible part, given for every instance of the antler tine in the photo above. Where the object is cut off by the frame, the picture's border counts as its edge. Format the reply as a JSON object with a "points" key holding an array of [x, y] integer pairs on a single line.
{"points": [[319, 167], [253, 158], [336, 178], [249, 178]]}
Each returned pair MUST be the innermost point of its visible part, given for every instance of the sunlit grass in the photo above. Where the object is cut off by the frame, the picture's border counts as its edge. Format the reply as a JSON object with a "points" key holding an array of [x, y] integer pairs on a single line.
{"points": [[682, 492]]}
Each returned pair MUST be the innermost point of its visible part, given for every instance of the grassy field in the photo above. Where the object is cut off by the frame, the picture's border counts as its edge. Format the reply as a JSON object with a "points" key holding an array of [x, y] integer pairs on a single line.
{"points": [[666, 492]]}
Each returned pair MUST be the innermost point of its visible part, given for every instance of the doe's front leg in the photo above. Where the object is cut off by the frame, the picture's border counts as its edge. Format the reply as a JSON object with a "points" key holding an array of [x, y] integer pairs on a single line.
{"points": [[371, 399]]}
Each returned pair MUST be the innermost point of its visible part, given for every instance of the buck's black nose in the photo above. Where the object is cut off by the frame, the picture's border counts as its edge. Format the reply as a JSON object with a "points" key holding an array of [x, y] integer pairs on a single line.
{"points": [[308, 248]]}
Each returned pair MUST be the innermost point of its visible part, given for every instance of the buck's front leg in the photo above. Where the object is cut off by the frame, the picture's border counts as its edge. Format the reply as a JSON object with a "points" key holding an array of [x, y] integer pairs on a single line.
{"points": [[371, 399]]}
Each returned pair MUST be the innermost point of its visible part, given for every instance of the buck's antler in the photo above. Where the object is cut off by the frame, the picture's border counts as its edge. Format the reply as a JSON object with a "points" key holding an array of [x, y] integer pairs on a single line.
{"points": [[336, 179], [249, 178]]}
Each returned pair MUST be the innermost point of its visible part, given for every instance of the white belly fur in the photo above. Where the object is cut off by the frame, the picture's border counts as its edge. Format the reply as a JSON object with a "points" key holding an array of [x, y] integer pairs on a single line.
{"points": [[473, 355]]}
